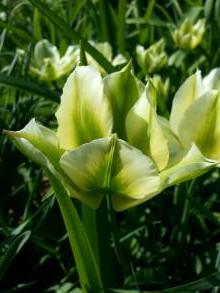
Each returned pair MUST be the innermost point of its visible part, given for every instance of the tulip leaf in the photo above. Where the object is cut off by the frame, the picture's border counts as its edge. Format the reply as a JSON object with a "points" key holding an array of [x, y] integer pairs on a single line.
{"points": [[190, 90], [145, 132], [122, 90], [201, 124], [84, 113], [192, 165]]}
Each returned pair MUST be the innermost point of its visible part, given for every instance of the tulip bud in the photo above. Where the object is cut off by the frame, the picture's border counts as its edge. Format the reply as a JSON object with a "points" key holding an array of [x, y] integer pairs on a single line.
{"points": [[153, 58], [48, 64], [189, 35]]}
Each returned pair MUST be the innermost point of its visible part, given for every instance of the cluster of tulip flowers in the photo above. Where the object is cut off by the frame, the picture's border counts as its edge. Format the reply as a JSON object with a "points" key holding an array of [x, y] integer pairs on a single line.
{"points": [[110, 141], [110, 138]]}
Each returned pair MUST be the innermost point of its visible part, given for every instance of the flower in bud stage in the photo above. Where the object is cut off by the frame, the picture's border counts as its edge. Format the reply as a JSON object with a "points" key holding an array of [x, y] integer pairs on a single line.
{"points": [[153, 58], [49, 65], [189, 35]]}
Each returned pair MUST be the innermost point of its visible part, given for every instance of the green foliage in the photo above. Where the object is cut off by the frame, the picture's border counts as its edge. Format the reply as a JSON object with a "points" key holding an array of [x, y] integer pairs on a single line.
{"points": [[168, 244]]}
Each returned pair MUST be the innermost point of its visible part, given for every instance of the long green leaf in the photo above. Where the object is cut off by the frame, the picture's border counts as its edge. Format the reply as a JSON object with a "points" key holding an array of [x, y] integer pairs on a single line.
{"points": [[29, 86], [75, 36], [121, 25], [84, 257]]}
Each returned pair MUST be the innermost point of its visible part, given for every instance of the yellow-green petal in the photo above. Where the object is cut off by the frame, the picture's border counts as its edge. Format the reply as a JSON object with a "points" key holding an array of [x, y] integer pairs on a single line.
{"points": [[189, 91], [84, 113], [201, 125], [134, 174], [110, 166], [212, 80], [41, 138], [192, 165], [122, 90], [175, 147], [145, 132]]}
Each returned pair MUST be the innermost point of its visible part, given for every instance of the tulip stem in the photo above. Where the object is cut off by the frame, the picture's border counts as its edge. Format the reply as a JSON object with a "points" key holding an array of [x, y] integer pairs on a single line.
{"points": [[87, 267]]}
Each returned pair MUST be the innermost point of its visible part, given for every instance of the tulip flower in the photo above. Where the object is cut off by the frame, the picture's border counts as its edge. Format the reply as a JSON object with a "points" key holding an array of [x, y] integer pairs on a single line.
{"points": [[110, 140], [48, 64], [152, 59], [189, 35], [194, 120]]}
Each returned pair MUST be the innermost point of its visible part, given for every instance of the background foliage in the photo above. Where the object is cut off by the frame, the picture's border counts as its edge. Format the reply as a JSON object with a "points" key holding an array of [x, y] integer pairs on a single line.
{"points": [[170, 241]]}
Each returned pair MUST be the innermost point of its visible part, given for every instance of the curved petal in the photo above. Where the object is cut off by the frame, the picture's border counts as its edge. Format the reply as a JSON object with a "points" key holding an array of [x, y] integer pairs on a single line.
{"points": [[192, 165], [84, 113], [201, 124], [212, 80], [39, 139], [134, 174], [175, 147], [111, 166], [45, 50], [122, 91], [189, 91], [145, 132]]}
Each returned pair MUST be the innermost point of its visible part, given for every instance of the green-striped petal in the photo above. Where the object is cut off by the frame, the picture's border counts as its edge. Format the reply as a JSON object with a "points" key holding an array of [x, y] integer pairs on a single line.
{"points": [[201, 125], [110, 166], [84, 113], [145, 132], [192, 165], [38, 139], [189, 91], [134, 174], [122, 90]]}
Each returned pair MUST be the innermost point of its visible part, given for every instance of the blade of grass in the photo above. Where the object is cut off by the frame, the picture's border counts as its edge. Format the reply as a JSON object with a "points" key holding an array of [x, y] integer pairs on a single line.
{"points": [[29, 86], [121, 25], [73, 35], [103, 7]]}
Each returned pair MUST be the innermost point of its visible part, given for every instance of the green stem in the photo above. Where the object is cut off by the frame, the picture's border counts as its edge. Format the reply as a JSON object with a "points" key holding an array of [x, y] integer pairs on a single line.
{"points": [[90, 224], [86, 264]]}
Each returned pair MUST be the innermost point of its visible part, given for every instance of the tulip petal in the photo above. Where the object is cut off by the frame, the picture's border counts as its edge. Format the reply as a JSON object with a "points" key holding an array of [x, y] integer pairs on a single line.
{"points": [[189, 91], [145, 132], [87, 165], [201, 124], [212, 80], [110, 166], [84, 113], [192, 165], [38, 139], [175, 147], [122, 90], [45, 50], [134, 174]]}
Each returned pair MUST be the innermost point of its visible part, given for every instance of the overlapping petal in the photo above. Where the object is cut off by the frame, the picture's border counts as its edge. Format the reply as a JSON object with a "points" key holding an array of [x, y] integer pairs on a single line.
{"points": [[84, 113], [38, 141], [122, 90], [145, 132], [189, 91], [111, 166]]}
